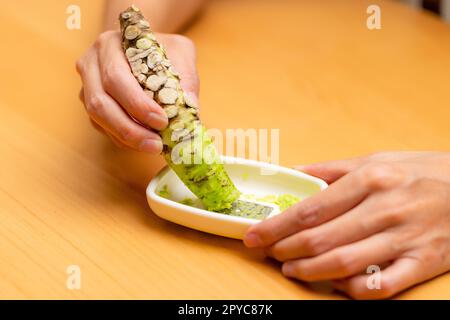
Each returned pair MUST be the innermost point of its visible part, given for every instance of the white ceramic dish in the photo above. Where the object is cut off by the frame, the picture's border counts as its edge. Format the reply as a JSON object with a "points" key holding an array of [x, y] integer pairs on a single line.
{"points": [[250, 177]]}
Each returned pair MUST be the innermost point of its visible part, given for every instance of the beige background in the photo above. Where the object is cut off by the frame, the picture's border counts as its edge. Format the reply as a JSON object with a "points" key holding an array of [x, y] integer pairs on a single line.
{"points": [[310, 68]]}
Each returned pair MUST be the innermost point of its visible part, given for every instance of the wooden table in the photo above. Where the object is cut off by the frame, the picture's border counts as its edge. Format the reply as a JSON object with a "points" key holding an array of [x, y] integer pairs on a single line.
{"points": [[310, 68]]}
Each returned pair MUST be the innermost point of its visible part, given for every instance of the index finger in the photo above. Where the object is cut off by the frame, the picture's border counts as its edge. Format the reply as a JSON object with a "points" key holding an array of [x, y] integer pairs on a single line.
{"points": [[337, 199], [119, 82]]}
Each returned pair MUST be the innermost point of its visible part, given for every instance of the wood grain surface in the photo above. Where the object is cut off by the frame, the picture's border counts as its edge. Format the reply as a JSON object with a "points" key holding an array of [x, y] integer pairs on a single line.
{"points": [[310, 68]]}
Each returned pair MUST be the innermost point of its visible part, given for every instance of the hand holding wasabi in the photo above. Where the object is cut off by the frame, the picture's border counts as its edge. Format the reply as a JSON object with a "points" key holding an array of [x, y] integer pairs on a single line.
{"points": [[113, 98], [389, 210], [187, 148]]}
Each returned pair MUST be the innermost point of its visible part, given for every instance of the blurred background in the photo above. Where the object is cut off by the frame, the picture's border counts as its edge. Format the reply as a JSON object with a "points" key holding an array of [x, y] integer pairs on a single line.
{"points": [[311, 68]]}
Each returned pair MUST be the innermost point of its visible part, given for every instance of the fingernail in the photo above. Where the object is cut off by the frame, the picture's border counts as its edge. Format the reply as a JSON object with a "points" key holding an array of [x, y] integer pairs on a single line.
{"points": [[150, 145], [287, 269], [191, 99], [252, 240], [157, 120]]}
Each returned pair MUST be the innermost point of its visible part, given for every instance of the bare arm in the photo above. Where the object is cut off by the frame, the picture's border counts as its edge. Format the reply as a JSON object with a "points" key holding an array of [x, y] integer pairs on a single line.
{"points": [[164, 15]]}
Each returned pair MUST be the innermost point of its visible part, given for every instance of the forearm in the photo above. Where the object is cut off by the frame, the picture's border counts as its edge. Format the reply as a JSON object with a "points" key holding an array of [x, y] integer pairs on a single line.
{"points": [[164, 15]]}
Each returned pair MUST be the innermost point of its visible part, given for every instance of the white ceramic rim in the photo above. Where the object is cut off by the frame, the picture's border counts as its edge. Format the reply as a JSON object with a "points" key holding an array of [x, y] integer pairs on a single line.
{"points": [[151, 194]]}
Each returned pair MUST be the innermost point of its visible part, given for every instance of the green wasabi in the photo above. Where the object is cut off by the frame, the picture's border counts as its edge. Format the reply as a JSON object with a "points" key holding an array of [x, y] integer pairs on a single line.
{"points": [[197, 163], [284, 201], [164, 192], [246, 209], [187, 202]]}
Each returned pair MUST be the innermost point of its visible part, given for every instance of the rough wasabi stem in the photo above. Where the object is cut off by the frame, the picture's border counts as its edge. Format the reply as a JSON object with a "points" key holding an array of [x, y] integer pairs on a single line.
{"points": [[188, 150]]}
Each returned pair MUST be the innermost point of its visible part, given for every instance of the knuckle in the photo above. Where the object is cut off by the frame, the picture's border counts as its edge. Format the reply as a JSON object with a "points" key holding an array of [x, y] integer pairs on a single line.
{"points": [[109, 77], [137, 103], [95, 105], [127, 135], [394, 217], [278, 252], [139, 109], [301, 271], [79, 66], [81, 95], [312, 244], [379, 176], [307, 215], [98, 42], [102, 39], [368, 224], [343, 262], [267, 233], [400, 208]]}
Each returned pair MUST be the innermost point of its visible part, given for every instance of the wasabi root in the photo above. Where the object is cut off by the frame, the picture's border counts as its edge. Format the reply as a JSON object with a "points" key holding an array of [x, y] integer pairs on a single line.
{"points": [[188, 150]]}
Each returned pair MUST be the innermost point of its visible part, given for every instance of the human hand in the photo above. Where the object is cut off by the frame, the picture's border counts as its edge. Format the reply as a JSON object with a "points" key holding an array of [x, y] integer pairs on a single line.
{"points": [[114, 100], [388, 209]]}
